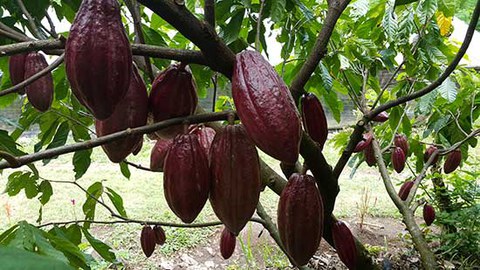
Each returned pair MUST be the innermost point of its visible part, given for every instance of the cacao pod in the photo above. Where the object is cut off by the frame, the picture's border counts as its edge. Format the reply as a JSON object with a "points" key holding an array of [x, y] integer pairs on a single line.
{"points": [[300, 218], [186, 178], [236, 185], [131, 112], [381, 117], [227, 243], [369, 155], [16, 67], [147, 240], [159, 152], [98, 58], [366, 141], [266, 107], [405, 190], [138, 147], [159, 235], [430, 150], [398, 159], [344, 244], [452, 161], [205, 137], [174, 94], [401, 141], [314, 119], [40, 92], [428, 214]]}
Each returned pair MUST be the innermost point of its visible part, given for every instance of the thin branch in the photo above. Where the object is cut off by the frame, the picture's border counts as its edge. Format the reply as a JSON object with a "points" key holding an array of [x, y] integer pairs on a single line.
{"points": [[356, 135], [10, 35], [209, 12], [35, 77], [143, 222], [26, 159], [138, 166], [259, 25], [188, 56], [30, 19], [53, 32]]}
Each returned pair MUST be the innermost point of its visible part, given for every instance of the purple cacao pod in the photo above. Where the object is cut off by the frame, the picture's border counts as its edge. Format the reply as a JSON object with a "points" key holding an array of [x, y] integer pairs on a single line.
{"points": [[159, 152], [366, 141], [205, 137], [131, 112], [186, 178], [300, 218], [369, 155], [452, 161], [381, 117], [314, 119], [401, 141], [430, 150], [405, 190], [147, 240], [236, 185], [398, 159], [344, 244], [16, 67], [266, 107], [227, 243], [428, 214], [98, 58], [174, 94], [160, 236], [40, 92]]}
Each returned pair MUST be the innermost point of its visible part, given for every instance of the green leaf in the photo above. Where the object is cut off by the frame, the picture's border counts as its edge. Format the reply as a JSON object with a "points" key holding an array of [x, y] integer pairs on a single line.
{"points": [[103, 249], [117, 201], [125, 170], [447, 7], [232, 29], [93, 193], [448, 90], [389, 21], [326, 78], [60, 241], [46, 189], [277, 9], [15, 258], [426, 9], [81, 162]]}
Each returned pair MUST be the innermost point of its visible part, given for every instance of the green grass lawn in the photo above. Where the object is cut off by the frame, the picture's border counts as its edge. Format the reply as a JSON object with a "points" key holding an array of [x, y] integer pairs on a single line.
{"points": [[144, 200]]}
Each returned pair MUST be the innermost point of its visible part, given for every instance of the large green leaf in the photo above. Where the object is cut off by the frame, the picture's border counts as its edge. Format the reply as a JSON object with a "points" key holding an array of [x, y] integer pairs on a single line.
{"points": [[103, 249], [93, 194], [14, 258]]}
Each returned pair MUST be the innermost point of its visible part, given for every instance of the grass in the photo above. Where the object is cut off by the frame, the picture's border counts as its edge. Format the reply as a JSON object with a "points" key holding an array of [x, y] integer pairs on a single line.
{"points": [[143, 199]]}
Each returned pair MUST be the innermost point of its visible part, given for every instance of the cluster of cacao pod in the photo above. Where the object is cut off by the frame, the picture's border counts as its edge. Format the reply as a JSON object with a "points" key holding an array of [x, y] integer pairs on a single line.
{"points": [[40, 92], [453, 160], [150, 237]]}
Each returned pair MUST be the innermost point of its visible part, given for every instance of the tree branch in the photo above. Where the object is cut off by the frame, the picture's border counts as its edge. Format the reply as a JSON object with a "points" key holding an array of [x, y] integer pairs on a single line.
{"points": [[209, 12], [30, 19], [35, 77], [26, 159], [335, 9]]}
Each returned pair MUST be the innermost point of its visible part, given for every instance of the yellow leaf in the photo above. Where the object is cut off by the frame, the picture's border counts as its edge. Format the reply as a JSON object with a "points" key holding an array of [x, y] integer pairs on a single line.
{"points": [[445, 23]]}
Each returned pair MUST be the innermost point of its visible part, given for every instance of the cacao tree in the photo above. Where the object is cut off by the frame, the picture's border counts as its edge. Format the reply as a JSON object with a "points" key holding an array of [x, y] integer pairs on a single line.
{"points": [[425, 115]]}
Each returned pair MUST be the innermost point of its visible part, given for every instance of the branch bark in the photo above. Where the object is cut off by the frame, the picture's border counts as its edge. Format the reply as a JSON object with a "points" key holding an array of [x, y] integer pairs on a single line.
{"points": [[209, 12]]}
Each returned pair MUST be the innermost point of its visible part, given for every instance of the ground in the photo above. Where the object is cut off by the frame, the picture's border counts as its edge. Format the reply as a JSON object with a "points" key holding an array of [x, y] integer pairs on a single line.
{"points": [[362, 195]]}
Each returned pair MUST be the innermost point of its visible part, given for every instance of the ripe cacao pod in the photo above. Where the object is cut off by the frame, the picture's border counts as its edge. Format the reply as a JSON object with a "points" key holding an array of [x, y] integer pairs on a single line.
{"points": [[366, 141], [314, 119], [405, 190], [266, 107], [160, 236], [227, 243], [428, 214], [186, 178], [16, 67], [98, 58], [398, 159], [401, 141], [40, 92], [236, 184], [300, 218], [147, 240], [174, 94], [344, 244], [430, 150], [369, 155], [452, 161], [205, 137], [131, 112], [159, 152], [381, 117]]}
